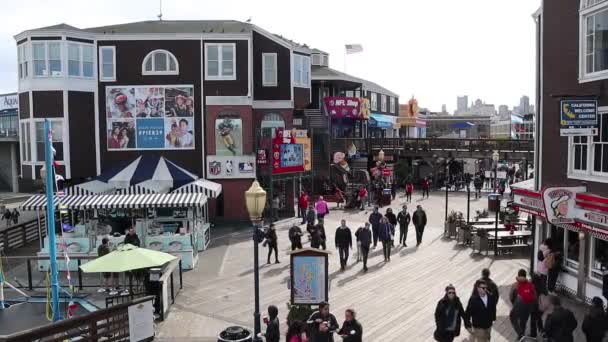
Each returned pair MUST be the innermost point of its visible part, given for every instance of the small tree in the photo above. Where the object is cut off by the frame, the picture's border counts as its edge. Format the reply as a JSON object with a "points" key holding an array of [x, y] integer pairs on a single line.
{"points": [[403, 171]]}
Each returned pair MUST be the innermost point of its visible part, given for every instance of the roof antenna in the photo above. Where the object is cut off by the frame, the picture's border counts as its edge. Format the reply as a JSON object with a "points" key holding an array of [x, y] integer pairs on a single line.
{"points": [[160, 8]]}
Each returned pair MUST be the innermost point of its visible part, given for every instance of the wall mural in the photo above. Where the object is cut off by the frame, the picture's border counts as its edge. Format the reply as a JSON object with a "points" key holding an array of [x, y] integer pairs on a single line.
{"points": [[150, 117]]}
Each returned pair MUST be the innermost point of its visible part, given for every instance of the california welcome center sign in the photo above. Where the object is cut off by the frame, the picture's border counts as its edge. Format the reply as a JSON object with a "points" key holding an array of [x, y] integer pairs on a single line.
{"points": [[559, 203]]}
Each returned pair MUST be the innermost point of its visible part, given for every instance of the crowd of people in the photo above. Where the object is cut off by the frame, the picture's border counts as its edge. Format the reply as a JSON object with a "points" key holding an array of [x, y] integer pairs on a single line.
{"points": [[11, 217]]}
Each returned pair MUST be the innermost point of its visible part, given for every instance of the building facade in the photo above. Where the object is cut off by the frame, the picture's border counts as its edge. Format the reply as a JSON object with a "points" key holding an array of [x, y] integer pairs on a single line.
{"points": [[573, 170], [170, 88], [9, 142]]}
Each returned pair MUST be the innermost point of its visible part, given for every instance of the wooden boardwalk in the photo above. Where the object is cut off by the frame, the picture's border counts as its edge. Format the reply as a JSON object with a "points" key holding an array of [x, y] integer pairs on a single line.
{"points": [[395, 301]]}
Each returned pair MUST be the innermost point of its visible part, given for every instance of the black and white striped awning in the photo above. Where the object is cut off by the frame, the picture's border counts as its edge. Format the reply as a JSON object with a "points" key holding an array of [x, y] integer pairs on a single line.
{"points": [[207, 187], [135, 190], [38, 202], [93, 187], [141, 201]]}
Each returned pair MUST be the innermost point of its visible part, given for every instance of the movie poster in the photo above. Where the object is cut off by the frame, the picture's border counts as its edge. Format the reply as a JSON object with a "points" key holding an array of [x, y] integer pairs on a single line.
{"points": [[150, 117], [228, 136]]}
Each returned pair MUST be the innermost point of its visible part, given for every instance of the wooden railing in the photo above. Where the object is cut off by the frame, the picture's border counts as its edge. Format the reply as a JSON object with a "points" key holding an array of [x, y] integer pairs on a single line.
{"points": [[111, 324], [20, 235]]}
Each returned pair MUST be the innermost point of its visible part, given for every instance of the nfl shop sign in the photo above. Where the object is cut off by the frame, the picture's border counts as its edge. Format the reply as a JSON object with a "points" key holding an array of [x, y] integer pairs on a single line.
{"points": [[287, 155], [223, 167], [339, 106], [559, 203]]}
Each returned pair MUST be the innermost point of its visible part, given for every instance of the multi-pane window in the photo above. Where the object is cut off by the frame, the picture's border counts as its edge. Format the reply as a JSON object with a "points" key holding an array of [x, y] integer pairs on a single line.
{"points": [[160, 62], [57, 130], [220, 62], [392, 104], [54, 58], [269, 69], [588, 156], [39, 59], [579, 151], [24, 137], [374, 101], [23, 58], [80, 60], [107, 63], [594, 41], [301, 71]]}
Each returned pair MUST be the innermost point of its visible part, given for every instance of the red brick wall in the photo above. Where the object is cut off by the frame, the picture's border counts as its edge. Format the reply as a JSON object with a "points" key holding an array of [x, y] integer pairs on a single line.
{"points": [[233, 191], [287, 115]]}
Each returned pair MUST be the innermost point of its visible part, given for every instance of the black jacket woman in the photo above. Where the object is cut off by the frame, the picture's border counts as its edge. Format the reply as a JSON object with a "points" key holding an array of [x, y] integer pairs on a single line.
{"points": [[448, 316], [595, 323]]}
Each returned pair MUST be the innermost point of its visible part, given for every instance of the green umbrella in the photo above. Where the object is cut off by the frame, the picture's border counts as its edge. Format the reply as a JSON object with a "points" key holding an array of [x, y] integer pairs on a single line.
{"points": [[126, 258]]}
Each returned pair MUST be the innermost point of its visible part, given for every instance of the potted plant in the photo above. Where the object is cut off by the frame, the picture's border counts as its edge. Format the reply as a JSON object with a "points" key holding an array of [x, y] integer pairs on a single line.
{"points": [[450, 224]]}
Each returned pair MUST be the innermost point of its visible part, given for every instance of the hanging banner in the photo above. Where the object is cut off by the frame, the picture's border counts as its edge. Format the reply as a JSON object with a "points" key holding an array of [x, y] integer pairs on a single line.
{"points": [[560, 203], [287, 155], [343, 107]]}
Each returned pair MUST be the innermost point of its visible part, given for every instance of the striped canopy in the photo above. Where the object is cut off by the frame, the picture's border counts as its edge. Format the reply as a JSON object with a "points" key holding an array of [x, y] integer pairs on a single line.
{"points": [[209, 188], [119, 201], [89, 188], [161, 172]]}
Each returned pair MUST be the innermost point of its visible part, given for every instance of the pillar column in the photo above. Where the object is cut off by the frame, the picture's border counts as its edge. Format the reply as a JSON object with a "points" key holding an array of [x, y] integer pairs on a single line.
{"points": [[14, 166]]}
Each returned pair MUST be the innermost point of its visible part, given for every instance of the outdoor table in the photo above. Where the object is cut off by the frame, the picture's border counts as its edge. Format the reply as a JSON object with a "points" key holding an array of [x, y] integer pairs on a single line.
{"points": [[489, 227], [484, 220], [509, 240]]}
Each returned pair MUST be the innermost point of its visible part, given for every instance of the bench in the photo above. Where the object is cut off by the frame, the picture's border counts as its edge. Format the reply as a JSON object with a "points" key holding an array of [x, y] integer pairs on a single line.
{"points": [[508, 248]]}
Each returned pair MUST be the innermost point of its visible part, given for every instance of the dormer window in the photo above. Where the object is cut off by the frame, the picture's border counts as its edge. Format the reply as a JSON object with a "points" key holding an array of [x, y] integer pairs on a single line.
{"points": [[160, 62], [320, 59]]}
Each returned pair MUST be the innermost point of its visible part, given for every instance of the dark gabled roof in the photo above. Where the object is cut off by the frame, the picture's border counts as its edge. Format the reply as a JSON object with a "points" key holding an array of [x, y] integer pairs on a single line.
{"points": [[175, 26], [320, 73], [293, 44], [62, 26]]}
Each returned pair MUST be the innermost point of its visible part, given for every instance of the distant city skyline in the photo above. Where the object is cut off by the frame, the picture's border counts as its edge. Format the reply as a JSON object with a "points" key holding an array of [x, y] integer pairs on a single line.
{"points": [[481, 107]]}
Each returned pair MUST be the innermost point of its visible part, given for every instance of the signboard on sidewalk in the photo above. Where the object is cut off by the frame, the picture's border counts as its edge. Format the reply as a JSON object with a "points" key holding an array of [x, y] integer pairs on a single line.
{"points": [[578, 113]]}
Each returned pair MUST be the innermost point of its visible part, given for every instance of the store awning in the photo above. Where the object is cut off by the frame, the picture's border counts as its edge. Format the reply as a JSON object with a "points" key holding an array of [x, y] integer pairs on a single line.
{"points": [[528, 184], [38, 202], [381, 121], [209, 188], [148, 201], [89, 188]]}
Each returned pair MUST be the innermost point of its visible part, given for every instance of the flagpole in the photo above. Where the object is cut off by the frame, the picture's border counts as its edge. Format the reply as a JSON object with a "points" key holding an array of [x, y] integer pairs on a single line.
{"points": [[50, 214]]}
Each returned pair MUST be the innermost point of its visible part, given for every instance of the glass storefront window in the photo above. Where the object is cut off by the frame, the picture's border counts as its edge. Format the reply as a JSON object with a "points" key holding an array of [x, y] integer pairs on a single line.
{"points": [[599, 257], [572, 249]]}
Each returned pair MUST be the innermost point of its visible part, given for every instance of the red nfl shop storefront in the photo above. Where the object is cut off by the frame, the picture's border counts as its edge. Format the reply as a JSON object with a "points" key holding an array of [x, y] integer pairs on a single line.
{"points": [[577, 223], [284, 169]]}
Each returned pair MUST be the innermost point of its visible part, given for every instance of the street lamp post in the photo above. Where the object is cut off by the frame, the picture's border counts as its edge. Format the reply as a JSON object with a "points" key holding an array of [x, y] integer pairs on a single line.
{"points": [[255, 198], [495, 157], [447, 182]]}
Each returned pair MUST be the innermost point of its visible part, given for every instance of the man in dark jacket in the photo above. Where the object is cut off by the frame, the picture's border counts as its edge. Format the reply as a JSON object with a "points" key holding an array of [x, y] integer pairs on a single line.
{"points": [[295, 236], [272, 325], [322, 324], [492, 289], [132, 238], [448, 314], [478, 184], [392, 219], [344, 242], [480, 313], [365, 239], [374, 220], [404, 221], [419, 220], [560, 323], [385, 237], [351, 330], [272, 242]]}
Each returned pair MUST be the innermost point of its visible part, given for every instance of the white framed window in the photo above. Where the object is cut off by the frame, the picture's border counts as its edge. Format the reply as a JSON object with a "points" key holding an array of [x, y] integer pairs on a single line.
{"points": [[383, 103], [588, 156], [269, 70], [107, 63], [579, 152], [301, 71], [24, 137], [392, 104], [160, 62], [374, 101], [46, 58], [220, 61], [593, 40], [23, 59], [598, 256], [316, 59], [80, 60], [57, 129]]}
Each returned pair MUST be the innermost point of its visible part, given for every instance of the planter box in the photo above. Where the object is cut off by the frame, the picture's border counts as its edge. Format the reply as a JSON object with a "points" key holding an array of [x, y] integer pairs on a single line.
{"points": [[450, 229], [480, 243]]}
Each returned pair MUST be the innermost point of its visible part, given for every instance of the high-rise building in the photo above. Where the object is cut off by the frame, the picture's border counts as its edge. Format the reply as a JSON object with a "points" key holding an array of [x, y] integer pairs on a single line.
{"points": [[524, 105], [462, 103], [444, 108], [503, 111]]}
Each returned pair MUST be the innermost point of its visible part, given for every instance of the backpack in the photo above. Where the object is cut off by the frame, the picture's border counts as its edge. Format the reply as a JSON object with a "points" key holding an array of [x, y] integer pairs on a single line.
{"points": [[526, 293]]}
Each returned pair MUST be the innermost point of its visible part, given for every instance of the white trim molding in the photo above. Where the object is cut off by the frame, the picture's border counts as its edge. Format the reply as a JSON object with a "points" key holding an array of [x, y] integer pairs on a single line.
{"points": [[273, 104], [220, 59], [168, 58], [228, 101]]}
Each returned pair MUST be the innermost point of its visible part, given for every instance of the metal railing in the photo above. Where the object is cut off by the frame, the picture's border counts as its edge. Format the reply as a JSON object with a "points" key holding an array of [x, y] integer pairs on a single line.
{"points": [[18, 236], [110, 324]]}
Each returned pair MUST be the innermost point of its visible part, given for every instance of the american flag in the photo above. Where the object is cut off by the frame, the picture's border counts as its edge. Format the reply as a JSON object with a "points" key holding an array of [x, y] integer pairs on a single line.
{"points": [[353, 48]]}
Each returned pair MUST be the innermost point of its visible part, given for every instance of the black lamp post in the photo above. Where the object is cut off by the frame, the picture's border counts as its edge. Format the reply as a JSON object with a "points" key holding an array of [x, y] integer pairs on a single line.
{"points": [[255, 198], [495, 157], [468, 201], [447, 183]]}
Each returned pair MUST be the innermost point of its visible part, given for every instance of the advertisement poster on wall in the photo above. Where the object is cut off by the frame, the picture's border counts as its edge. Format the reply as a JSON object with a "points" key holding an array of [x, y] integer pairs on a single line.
{"points": [[150, 117], [228, 136], [287, 155], [230, 167], [560, 203], [303, 139]]}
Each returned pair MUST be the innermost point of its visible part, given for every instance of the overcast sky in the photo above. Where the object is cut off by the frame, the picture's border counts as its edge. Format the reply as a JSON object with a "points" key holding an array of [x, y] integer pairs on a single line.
{"points": [[435, 50]]}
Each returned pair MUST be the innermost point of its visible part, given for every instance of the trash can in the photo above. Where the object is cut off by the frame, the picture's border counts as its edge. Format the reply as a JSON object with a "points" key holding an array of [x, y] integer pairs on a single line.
{"points": [[494, 202], [235, 334]]}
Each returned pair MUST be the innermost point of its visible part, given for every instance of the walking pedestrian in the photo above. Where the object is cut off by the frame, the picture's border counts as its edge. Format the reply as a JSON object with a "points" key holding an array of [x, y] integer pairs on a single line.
{"points": [[311, 215], [322, 209], [536, 315], [15, 216], [358, 242], [295, 236], [272, 243], [276, 204], [302, 206], [394, 190], [362, 197], [385, 238], [296, 332], [365, 239], [523, 296], [272, 333], [321, 229], [419, 220], [315, 236], [322, 324], [478, 184], [7, 217], [425, 187], [404, 219], [344, 242], [392, 219], [351, 330], [480, 313], [102, 250], [560, 322], [409, 188], [594, 324], [374, 220], [448, 314], [492, 289], [542, 269], [553, 262]]}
